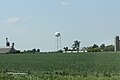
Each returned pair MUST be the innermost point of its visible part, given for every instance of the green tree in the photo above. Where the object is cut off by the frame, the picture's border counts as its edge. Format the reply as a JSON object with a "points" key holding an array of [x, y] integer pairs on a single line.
{"points": [[34, 50], [102, 47], [38, 50], [97, 49], [109, 48], [95, 46], [76, 45], [66, 49], [89, 49]]}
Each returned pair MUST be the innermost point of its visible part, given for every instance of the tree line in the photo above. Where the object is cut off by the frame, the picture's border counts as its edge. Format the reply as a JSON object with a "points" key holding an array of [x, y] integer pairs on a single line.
{"points": [[93, 48], [101, 48]]}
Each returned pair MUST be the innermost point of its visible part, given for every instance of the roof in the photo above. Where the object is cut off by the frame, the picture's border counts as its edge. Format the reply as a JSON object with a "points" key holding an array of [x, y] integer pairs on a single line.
{"points": [[5, 50]]}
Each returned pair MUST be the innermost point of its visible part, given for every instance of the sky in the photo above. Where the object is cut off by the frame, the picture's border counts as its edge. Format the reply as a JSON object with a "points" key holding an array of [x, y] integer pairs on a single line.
{"points": [[33, 23]]}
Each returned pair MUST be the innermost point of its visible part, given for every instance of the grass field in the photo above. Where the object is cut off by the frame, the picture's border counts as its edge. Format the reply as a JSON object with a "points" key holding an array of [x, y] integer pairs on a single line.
{"points": [[61, 66]]}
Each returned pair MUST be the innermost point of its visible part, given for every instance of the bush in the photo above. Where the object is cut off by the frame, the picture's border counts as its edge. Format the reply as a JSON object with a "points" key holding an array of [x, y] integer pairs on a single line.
{"points": [[60, 51]]}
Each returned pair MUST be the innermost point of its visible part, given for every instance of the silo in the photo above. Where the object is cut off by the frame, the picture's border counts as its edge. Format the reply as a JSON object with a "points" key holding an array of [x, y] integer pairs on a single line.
{"points": [[7, 43], [117, 43]]}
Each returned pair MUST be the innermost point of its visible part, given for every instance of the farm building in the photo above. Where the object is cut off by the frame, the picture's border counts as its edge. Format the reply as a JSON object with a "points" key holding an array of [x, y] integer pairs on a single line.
{"points": [[117, 43], [7, 48]]}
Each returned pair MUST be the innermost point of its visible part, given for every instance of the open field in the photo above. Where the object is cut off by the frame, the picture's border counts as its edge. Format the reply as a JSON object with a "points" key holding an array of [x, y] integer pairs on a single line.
{"points": [[61, 66]]}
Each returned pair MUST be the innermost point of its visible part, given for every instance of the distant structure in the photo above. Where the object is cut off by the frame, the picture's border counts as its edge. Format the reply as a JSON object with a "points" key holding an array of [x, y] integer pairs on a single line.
{"points": [[7, 42], [7, 48], [59, 43], [117, 43]]}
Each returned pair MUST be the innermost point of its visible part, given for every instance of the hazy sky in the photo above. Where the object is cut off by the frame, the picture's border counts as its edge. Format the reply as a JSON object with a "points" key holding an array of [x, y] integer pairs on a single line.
{"points": [[32, 23]]}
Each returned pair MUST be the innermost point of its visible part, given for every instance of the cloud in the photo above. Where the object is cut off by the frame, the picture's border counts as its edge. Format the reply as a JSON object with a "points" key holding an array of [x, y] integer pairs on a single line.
{"points": [[27, 18], [15, 20], [65, 3]]}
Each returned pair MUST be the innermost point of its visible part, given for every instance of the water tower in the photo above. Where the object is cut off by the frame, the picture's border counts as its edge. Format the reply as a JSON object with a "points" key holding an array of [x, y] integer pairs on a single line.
{"points": [[58, 41]]}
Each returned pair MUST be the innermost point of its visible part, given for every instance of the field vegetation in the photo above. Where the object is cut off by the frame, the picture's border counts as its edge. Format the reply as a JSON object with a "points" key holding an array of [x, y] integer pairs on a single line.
{"points": [[60, 66]]}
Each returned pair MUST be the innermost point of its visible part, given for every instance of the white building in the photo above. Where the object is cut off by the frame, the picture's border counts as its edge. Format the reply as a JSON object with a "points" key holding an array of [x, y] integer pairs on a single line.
{"points": [[7, 48]]}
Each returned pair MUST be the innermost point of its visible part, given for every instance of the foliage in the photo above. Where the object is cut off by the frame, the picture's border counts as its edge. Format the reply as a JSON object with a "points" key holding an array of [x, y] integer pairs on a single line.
{"points": [[60, 51], [56, 77], [53, 66], [101, 48], [38, 50], [66, 49], [76, 45], [95, 46], [32, 51], [109, 48]]}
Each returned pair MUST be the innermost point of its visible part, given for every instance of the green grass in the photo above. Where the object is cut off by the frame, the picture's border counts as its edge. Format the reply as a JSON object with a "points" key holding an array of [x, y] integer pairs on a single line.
{"points": [[74, 66], [7, 77]]}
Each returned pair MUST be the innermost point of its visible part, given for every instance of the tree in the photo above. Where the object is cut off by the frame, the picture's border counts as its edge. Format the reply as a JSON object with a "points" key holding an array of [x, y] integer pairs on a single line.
{"points": [[60, 51], [95, 46], [89, 49], [97, 49], [38, 50], [109, 48], [76, 45], [34, 50], [102, 47], [66, 49]]}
